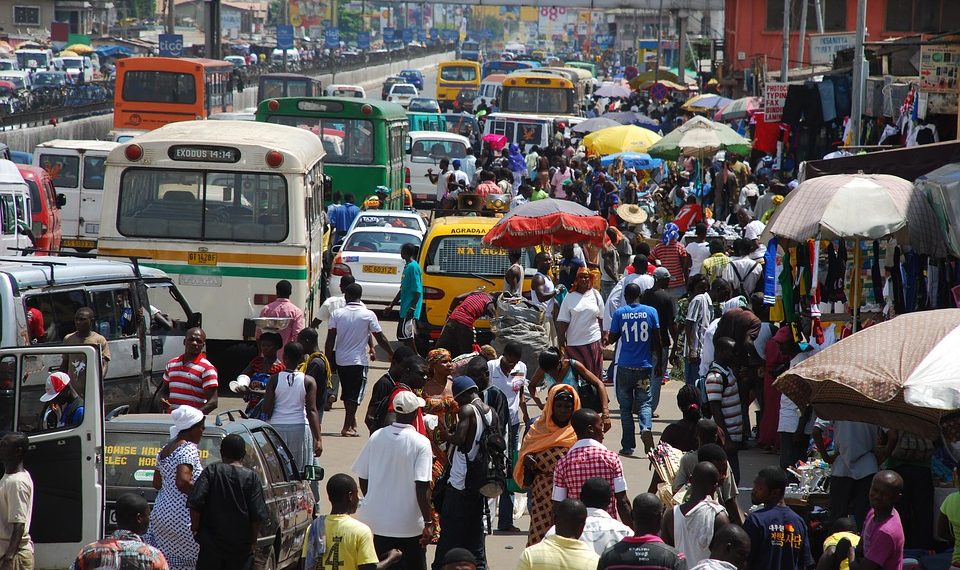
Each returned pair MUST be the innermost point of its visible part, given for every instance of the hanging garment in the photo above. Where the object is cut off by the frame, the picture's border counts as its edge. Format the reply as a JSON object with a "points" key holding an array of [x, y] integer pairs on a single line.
{"points": [[786, 283], [897, 288], [770, 273], [828, 104], [793, 105], [911, 267], [876, 274]]}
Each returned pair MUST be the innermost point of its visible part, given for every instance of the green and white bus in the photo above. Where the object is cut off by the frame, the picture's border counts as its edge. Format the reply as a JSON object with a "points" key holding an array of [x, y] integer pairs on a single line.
{"points": [[364, 140]]}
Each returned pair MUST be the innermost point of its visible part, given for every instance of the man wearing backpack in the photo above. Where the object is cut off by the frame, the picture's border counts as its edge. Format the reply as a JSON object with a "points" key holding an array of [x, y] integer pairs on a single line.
{"points": [[742, 272], [723, 395], [477, 445]]}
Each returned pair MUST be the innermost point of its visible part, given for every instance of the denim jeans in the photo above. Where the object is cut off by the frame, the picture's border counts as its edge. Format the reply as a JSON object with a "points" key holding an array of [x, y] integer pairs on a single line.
{"points": [[606, 287], [505, 518], [657, 383], [691, 371], [633, 386], [461, 525]]}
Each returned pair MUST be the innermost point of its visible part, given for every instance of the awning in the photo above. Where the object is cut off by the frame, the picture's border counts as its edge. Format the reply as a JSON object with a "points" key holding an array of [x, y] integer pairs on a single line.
{"points": [[907, 163]]}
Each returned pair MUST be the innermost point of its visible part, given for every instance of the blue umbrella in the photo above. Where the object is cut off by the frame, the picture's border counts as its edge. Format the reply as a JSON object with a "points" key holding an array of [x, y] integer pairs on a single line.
{"points": [[635, 160]]}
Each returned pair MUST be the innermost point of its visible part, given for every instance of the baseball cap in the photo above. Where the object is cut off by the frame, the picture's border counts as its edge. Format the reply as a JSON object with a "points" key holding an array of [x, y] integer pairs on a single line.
{"points": [[461, 384], [56, 383], [407, 402], [661, 273]]}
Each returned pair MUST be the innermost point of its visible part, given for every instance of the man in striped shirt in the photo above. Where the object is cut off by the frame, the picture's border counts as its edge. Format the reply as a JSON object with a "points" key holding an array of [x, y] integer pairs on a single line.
{"points": [[190, 379], [723, 393], [465, 310]]}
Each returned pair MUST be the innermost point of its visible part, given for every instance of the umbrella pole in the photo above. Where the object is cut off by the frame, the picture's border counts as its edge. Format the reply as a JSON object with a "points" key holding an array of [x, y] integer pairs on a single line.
{"points": [[855, 286]]}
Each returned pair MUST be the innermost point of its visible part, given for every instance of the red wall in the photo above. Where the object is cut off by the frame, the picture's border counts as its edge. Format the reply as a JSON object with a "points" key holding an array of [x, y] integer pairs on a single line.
{"points": [[745, 21]]}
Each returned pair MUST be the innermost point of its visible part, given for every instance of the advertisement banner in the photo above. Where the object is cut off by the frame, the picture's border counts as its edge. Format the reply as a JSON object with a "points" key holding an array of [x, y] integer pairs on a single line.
{"points": [[774, 96], [331, 38], [938, 68], [171, 45], [363, 40], [407, 35], [824, 46], [388, 34]]}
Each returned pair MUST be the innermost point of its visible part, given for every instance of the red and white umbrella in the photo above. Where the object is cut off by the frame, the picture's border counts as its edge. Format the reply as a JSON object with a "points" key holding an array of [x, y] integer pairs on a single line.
{"points": [[547, 222], [899, 374]]}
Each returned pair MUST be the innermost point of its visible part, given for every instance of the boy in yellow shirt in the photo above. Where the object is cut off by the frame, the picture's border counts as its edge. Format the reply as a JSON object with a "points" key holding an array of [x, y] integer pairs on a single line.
{"points": [[340, 541]]}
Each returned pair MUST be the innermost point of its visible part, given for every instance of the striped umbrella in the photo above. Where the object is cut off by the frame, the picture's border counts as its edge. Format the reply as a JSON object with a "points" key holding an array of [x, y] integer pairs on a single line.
{"points": [[547, 222], [899, 374], [739, 109], [706, 102]]}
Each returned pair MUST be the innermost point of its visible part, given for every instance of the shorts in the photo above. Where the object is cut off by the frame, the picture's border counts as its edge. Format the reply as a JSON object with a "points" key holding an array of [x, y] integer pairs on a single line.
{"points": [[353, 381], [406, 329]]}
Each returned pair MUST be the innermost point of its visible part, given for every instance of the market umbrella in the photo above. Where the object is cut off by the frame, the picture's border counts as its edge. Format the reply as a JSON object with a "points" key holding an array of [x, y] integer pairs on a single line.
{"points": [[68, 53], [613, 90], [624, 138], [899, 374], [496, 142], [79, 49], [858, 206], [699, 137], [636, 160], [646, 85], [706, 102], [595, 124], [739, 109], [547, 222]]}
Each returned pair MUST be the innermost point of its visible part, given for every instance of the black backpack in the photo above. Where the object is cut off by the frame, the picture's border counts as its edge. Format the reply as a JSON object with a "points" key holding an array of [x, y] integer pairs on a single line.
{"points": [[487, 473]]}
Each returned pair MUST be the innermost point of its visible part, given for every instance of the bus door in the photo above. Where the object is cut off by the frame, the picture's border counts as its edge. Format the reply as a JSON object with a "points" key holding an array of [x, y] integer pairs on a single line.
{"points": [[64, 455]]}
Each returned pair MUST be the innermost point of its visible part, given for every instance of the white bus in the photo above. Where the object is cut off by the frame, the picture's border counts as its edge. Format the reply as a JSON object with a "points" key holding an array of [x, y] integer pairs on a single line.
{"points": [[229, 208]]}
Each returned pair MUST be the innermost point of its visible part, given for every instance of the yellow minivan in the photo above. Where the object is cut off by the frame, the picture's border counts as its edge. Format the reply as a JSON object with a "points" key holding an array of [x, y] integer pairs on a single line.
{"points": [[454, 261]]}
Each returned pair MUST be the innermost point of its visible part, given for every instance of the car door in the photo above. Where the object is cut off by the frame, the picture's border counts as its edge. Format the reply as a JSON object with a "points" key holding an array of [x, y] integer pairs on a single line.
{"points": [[169, 320], [91, 189], [287, 489], [117, 311], [55, 227], [65, 462]]}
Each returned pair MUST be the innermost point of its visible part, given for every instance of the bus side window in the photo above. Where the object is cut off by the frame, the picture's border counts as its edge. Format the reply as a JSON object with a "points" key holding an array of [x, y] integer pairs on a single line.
{"points": [[58, 309], [9, 207], [8, 378], [114, 313]]}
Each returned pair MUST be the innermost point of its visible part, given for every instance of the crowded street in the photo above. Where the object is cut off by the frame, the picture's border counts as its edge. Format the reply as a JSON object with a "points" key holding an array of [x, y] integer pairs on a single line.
{"points": [[480, 287]]}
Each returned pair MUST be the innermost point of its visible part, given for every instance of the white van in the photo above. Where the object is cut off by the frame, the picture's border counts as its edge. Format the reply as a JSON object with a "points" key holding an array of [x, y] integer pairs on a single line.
{"points": [[15, 213], [35, 59], [524, 130], [77, 169], [423, 152], [490, 89], [342, 90], [293, 58], [66, 462], [76, 66]]}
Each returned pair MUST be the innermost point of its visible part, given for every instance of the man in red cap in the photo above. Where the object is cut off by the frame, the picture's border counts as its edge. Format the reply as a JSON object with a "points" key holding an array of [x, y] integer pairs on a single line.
{"points": [[63, 400]]}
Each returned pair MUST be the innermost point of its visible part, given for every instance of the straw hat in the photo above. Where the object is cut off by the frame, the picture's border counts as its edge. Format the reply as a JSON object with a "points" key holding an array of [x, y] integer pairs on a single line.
{"points": [[632, 213]]}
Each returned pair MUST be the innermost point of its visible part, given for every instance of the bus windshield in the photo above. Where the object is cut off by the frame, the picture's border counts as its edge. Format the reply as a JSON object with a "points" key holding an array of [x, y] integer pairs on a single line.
{"points": [[160, 87], [536, 100], [202, 205], [458, 73], [32, 60], [285, 88], [346, 141]]}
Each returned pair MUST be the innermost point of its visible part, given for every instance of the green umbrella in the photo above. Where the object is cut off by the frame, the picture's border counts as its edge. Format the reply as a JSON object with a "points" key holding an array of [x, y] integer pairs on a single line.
{"points": [[699, 137]]}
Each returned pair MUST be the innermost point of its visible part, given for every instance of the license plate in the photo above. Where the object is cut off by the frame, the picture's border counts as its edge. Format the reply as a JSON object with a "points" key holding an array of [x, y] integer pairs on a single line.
{"points": [[380, 269], [201, 258], [79, 243]]}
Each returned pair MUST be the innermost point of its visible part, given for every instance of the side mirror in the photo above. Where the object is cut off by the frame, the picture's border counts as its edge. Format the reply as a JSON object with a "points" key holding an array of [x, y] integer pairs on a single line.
{"points": [[196, 320], [61, 200], [312, 473]]}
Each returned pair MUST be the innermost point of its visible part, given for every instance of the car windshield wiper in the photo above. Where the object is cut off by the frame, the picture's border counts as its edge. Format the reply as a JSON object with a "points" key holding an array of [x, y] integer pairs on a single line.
{"points": [[475, 276]]}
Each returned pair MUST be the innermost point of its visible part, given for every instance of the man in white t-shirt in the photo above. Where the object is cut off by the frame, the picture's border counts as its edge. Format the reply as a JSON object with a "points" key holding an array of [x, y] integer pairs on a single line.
{"points": [[16, 503], [698, 249], [509, 375], [346, 346], [752, 229], [617, 298], [395, 468], [326, 310]]}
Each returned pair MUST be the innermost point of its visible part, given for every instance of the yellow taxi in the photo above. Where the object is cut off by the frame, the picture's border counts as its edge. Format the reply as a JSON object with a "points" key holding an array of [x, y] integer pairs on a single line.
{"points": [[454, 261]]}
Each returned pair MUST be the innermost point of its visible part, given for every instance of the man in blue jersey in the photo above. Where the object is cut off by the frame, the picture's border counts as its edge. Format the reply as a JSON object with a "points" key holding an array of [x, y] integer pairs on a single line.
{"points": [[635, 329]]}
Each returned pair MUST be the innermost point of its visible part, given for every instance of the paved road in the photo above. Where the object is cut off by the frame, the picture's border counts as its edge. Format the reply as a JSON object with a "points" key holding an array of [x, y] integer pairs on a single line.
{"points": [[503, 550]]}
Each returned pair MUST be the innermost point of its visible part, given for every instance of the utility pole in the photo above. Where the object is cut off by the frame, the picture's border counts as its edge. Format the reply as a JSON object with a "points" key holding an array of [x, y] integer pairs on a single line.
{"points": [[803, 29], [656, 70], [859, 73], [171, 27], [785, 62], [681, 45]]}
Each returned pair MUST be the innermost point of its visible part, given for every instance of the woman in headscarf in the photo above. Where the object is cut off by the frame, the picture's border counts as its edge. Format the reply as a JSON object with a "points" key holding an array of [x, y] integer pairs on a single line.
{"points": [[178, 468], [440, 366], [438, 395], [675, 258], [517, 165], [545, 443], [776, 201], [579, 326]]}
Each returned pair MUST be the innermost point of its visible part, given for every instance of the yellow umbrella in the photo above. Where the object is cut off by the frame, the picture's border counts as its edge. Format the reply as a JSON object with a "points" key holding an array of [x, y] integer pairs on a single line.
{"points": [[68, 53], [626, 138], [80, 49]]}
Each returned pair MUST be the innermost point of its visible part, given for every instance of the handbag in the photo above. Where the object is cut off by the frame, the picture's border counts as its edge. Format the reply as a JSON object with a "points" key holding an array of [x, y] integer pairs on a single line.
{"points": [[512, 485], [589, 396]]}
